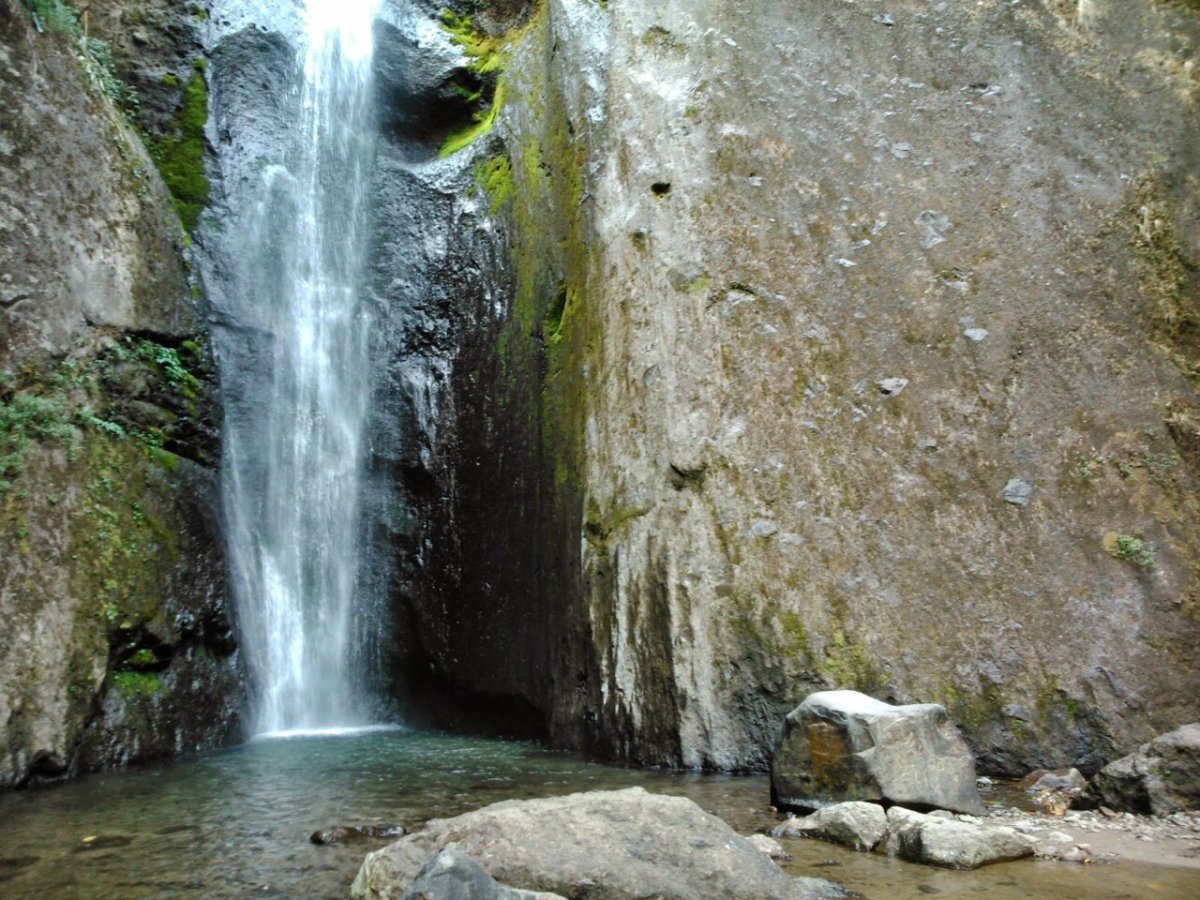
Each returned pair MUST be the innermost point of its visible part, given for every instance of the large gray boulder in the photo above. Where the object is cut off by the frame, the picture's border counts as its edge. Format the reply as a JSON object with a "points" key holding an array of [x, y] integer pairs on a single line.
{"points": [[936, 841], [1158, 778], [857, 824], [843, 745], [602, 845]]}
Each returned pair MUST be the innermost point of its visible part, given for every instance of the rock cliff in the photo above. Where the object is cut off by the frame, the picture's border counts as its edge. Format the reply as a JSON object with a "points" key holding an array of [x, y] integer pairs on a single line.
{"points": [[725, 352], [836, 345], [117, 644]]}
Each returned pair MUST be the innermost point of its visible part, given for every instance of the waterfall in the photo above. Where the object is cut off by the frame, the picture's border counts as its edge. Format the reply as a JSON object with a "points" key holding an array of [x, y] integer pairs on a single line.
{"points": [[295, 450]]}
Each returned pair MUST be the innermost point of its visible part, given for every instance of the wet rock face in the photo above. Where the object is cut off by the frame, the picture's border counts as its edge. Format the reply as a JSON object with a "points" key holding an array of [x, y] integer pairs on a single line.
{"points": [[117, 644], [836, 343]]}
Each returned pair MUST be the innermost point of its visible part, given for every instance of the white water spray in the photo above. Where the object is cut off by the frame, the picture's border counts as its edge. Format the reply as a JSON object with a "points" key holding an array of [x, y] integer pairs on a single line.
{"points": [[294, 457]]}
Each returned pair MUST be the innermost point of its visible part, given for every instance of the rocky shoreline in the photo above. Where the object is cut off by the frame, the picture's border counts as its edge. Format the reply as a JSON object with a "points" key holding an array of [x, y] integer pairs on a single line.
{"points": [[1089, 836]]}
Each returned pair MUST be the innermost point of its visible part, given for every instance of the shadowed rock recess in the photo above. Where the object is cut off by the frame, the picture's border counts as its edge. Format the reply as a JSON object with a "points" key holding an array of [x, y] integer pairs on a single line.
{"points": [[116, 645], [768, 348]]}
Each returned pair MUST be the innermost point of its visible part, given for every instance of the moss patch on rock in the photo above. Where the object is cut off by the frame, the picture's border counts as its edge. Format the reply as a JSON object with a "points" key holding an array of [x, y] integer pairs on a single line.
{"points": [[179, 154]]}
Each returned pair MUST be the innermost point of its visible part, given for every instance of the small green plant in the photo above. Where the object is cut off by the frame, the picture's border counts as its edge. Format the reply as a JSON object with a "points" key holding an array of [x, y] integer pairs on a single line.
{"points": [[166, 360], [141, 658], [1089, 467], [53, 16], [1132, 549], [24, 419], [138, 684], [85, 416], [59, 17]]}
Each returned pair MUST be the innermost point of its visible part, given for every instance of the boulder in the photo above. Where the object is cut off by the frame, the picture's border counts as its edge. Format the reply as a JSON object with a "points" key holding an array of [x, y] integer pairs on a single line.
{"points": [[603, 845], [1058, 780], [452, 875], [843, 745], [949, 842], [856, 824], [1158, 778]]}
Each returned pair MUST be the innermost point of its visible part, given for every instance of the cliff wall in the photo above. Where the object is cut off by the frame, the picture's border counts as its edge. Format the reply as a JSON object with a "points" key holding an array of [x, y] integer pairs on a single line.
{"points": [[117, 644], [831, 346]]}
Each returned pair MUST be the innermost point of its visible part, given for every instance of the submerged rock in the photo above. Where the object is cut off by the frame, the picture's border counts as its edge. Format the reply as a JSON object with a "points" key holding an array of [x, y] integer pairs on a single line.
{"points": [[858, 825], [453, 875], [599, 845], [1160, 777], [341, 834], [843, 745], [940, 841]]}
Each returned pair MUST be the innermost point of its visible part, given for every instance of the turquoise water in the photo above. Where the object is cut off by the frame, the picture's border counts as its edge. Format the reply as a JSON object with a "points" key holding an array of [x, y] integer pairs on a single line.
{"points": [[237, 823]]}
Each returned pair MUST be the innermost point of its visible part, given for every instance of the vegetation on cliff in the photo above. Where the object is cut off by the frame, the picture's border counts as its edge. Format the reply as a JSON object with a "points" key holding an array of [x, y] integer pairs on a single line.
{"points": [[179, 154]]}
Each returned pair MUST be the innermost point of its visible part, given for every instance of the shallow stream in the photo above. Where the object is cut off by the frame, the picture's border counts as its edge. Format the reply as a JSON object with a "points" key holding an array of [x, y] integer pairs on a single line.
{"points": [[237, 823]]}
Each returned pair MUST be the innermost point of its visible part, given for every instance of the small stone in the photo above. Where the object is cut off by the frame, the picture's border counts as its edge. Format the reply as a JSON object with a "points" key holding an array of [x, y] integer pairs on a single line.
{"points": [[976, 334], [768, 845], [1075, 855], [982, 780], [883, 19], [1059, 837], [1017, 492], [890, 387], [763, 528]]}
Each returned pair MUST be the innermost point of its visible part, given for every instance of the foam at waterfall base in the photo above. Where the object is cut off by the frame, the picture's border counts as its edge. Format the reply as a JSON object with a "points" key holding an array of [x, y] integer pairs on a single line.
{"points": [[328, 731]]}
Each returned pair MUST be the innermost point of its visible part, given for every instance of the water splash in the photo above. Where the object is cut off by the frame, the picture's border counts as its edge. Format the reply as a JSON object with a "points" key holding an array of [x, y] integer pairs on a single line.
{"points": [[294, 457]]}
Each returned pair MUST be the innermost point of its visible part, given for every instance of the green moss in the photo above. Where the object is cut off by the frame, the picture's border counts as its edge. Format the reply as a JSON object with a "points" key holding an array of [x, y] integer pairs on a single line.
{"points": [[494, 177], [552, 324], [600, 526], [795, 635], [482, 124], [141, 658], [482, 50], [487, 55], [179, 154], [138, 684], [847, 664]]}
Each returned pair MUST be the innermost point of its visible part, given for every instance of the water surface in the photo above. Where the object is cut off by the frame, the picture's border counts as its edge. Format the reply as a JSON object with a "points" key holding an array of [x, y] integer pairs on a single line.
{"points": [[237, 823]]}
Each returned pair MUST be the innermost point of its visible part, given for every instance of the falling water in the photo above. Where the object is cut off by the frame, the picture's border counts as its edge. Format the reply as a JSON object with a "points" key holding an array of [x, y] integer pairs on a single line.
{"points": [[294, 458]]}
